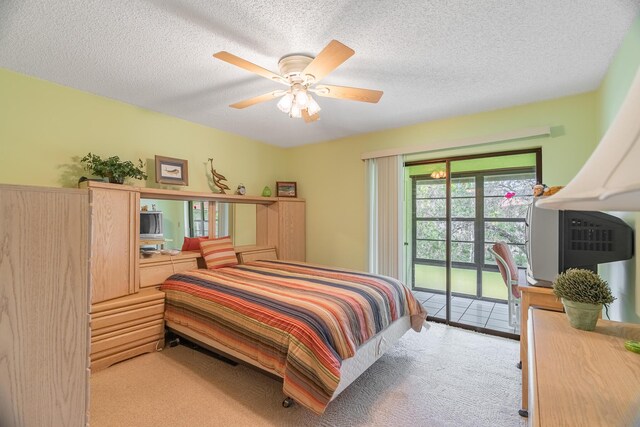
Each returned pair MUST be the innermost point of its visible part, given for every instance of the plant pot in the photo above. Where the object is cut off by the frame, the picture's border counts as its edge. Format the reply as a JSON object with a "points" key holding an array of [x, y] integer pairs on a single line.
{"points": [[113, 180], [582, 315]]}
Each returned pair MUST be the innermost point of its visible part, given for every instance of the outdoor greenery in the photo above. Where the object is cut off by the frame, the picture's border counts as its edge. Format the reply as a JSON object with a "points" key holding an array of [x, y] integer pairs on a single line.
{"points": [[503, 218], [582, 286], [113, 168]]}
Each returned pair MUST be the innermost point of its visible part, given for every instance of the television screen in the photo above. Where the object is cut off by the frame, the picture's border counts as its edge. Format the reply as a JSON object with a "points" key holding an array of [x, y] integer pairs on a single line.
{"points": [[151, 225]]}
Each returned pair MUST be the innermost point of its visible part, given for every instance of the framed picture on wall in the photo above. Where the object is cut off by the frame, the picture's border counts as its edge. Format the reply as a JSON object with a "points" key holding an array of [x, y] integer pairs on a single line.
{"points": [[172, 171], [286, 189]]}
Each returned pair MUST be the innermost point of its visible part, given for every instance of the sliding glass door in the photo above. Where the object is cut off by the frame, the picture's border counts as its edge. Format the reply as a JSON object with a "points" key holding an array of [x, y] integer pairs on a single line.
{"points": [[460, 207]]}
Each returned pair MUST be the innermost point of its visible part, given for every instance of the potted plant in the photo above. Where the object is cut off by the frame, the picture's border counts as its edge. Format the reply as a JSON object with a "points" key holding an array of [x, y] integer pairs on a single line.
{"points": [[583, 294], [113, 168]]}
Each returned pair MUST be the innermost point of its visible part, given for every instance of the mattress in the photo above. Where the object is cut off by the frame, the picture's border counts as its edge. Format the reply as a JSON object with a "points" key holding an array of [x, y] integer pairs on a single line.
{"points": [[295, 319]]}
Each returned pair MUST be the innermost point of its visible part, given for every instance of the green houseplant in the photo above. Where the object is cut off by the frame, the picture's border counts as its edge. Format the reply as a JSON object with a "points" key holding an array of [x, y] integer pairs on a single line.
{"points": [[583, 294], [113, 168]]}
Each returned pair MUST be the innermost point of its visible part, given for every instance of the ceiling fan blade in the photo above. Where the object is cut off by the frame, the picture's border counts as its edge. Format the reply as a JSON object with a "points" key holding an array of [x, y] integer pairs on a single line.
{"points": [[249, 66], [351, 93], [257, 99], [334, 54], [309, 118]]}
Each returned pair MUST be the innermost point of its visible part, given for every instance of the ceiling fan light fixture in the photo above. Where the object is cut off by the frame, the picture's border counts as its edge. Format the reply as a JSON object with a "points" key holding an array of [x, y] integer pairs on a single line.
{"points": [[312, 106], [302, 99], [285, 103], [300, 74], [295, 112]]}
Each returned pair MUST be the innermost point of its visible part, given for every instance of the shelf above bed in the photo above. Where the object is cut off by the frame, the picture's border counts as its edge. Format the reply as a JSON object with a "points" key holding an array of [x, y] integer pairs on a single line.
{"points": [[165, 194]]}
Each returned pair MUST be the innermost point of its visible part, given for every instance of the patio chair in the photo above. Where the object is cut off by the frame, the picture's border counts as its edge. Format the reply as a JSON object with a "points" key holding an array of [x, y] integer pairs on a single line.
{"points": [[509, 272]]}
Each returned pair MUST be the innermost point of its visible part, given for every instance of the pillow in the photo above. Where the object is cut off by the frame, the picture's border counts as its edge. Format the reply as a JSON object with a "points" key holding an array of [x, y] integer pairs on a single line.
{"points": [[218, 252], [193, 243]]}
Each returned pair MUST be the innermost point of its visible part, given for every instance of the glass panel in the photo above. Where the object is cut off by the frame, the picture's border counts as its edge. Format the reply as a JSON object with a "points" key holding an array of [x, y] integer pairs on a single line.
{"points": [[510, 232], [463, 208], [464, 281], [431, 230], [462, 230], [197, 229], [426, 189], [431, 277], [499, 185], [517, 251], [431, 208], [463, 187], [502, 207], [461, 252], [493, 285], [426, 249]]}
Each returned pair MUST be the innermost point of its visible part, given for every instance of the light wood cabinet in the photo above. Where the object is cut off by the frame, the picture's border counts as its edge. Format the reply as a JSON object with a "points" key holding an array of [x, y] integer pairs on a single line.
{"points": [[44, 306], [282, 224], [114, 242], [125, 327], [580, 378], [154, 270], [531, 296], [255, 254]]}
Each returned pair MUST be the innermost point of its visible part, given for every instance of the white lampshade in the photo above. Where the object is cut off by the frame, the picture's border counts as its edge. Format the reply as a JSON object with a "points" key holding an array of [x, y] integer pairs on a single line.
{"points": [[610, 179], [295, 112], [312, 106], [285, 102], [302, 99]]}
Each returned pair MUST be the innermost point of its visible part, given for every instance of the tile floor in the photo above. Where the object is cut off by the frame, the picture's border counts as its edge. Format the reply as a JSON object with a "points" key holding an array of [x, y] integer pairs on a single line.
{"points": [[469, 311]]}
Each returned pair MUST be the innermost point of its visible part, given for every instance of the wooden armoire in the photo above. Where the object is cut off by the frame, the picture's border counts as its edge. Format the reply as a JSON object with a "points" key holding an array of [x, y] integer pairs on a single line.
{"points": [[44, 306]]}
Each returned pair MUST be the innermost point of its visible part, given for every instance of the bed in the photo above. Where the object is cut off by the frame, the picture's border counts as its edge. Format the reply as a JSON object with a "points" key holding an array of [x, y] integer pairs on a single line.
{"points": [[315, 327]]}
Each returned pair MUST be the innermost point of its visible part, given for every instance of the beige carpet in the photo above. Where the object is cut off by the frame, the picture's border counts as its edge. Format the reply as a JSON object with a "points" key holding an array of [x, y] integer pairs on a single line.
{"points": [[442, 377]]}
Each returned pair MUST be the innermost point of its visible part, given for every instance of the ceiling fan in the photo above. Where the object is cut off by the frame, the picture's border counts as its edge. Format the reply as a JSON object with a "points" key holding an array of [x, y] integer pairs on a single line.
{"points": [[302, 73]]}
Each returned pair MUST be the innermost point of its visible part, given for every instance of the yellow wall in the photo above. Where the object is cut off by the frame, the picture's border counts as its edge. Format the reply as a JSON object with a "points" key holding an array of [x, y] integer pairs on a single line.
{"points": [[45, 128], [331, 176]]}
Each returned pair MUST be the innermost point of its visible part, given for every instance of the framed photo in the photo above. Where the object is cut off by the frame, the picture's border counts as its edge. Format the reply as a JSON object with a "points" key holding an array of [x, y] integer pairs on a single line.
{"points": [[286, 189], [172, 171]]}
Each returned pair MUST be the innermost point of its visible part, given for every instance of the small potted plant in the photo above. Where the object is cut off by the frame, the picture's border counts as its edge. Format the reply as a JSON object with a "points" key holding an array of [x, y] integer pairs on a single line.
{"points": [[583, 294], [113, 168]]}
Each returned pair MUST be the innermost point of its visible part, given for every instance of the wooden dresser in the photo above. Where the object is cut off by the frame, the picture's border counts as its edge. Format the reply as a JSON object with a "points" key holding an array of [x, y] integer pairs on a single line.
{"points": [[531, 296], [580, 378], [125, 327]]}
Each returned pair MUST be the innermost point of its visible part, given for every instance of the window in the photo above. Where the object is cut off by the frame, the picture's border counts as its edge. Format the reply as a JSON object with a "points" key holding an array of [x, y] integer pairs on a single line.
{"points": [[198, 219], [486, 207]]}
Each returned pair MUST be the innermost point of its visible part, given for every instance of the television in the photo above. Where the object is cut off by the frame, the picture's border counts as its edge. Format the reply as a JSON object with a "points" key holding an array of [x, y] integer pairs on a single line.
{"points": [[559, 240], [151, 225]]}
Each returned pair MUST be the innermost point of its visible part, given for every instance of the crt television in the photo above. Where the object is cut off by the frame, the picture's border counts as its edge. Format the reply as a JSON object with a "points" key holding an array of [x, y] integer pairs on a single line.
{"points": [[151, 225], [559, 240]]}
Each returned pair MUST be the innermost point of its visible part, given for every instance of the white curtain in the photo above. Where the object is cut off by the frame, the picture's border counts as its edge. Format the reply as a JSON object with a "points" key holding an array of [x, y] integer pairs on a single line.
{"points": [[385, 216]]}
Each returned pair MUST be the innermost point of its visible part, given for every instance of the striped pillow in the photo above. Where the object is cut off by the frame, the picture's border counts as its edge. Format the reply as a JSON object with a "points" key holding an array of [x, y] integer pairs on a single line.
{"points": [[218, 252]]}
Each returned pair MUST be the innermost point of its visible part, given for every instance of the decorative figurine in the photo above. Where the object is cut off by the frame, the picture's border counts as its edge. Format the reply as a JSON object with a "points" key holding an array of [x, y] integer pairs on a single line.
{"points": [[241, 190], [266, 192], [218, 178], [538, 190]]}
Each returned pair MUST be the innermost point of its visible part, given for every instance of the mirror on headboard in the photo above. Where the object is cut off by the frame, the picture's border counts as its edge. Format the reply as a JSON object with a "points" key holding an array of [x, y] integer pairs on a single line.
{"points": [[191, 219]]}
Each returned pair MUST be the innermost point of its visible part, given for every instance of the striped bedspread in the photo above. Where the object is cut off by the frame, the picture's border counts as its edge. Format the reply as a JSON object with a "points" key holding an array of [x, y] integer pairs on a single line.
{"points": [[297, 319]]}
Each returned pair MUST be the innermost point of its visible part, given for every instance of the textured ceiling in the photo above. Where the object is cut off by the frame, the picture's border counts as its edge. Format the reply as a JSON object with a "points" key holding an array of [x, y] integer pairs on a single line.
{"points": [[433, 59]]}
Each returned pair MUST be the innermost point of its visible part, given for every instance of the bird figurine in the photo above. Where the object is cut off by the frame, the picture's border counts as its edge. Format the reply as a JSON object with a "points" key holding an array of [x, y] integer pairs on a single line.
{"points": [[218, 178]]}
